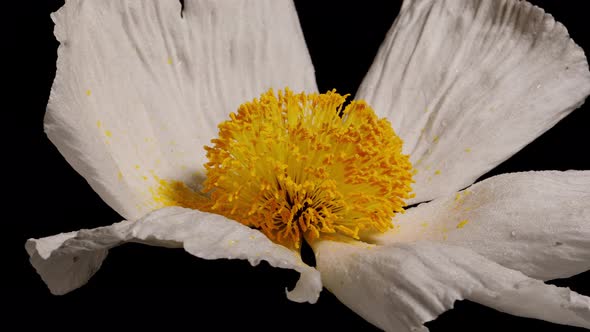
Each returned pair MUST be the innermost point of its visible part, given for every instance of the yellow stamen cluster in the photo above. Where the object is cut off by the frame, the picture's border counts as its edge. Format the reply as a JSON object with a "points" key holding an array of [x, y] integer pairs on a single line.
{"points": [[297, 165]]}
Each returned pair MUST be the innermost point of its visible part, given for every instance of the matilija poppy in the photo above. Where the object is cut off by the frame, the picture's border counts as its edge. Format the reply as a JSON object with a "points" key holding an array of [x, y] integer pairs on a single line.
{"points": [[140, 89]]}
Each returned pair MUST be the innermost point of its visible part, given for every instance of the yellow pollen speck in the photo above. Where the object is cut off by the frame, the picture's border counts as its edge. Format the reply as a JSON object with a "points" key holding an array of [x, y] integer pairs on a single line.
{"points": [[98, 124], [108, 133], [298, 166], [137, 167], [461, 195], [119, 176], [144, 178], [88, 93], [462, 223], [424, 224], [437, 172], [169, 60], [467, 150], [435, 139]]}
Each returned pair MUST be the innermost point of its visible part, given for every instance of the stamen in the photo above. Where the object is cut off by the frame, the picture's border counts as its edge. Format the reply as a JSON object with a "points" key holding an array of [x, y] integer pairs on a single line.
{"points": [[292, 167]]}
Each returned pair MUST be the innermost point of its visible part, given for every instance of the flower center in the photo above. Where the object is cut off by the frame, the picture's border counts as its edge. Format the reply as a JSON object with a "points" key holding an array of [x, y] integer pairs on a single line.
{"points": [[297, 165]]}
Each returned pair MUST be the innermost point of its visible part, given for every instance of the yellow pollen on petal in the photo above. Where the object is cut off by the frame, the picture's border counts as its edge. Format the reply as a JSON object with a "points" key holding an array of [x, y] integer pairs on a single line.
{"points": [[302, 165], [176, 193], [462, 223]]}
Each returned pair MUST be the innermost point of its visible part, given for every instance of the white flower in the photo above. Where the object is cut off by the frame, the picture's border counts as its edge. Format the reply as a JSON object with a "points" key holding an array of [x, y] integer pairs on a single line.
{"points": [[465, 83]]}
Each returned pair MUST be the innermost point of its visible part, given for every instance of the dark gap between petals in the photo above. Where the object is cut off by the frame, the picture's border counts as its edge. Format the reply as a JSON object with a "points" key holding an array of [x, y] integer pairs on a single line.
{"points": [[181, 8], [307, 255]]}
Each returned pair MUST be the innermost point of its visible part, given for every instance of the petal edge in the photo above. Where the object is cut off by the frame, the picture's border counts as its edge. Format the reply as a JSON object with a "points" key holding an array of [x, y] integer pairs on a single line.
{"points": [[67, 261]]}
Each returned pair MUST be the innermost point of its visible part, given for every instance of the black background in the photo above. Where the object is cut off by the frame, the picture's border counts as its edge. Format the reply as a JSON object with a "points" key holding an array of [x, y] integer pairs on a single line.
{"points": [[147, 287]]}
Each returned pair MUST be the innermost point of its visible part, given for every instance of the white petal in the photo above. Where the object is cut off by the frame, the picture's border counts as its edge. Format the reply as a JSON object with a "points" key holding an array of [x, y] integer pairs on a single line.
{"points": [[140, 89], [400, 287], [468, 83], [534, 222], [67, 261]]}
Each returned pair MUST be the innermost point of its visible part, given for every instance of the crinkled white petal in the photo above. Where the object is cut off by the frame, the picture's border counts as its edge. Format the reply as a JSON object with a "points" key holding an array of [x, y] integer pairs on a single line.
{"points": [[468, 83], [534, 222], [400, 287], [67, 261], [140, 87]]}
